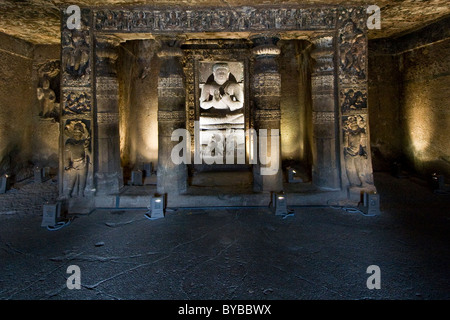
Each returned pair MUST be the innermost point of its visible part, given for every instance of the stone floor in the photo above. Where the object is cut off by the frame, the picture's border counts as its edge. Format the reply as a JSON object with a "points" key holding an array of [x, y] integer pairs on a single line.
{"points": [[317, 253]]}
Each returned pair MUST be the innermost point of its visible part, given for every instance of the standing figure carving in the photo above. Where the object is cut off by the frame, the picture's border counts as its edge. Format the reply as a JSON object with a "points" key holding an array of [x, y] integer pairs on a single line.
{"points": [[47, 98], [76, 158], [355, 149]]}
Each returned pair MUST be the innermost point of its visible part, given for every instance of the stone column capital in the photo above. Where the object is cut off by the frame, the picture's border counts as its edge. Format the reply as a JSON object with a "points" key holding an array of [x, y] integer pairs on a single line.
{"points": [[265, 44], [170, 46], [106, 54], [322, 45]]}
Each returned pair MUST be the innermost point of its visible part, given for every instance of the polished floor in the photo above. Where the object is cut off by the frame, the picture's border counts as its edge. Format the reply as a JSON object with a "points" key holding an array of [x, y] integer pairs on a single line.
{"points": [[237, 253]]}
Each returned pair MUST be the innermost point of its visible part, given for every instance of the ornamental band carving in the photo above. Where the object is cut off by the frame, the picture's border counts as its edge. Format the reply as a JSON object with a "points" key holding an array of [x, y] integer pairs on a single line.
{"points": [[171, 115], [215, 19]]}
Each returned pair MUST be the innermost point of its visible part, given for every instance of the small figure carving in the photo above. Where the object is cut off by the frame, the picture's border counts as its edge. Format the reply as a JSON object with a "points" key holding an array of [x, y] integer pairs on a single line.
{"points": [[76, 158], [47, 98]]}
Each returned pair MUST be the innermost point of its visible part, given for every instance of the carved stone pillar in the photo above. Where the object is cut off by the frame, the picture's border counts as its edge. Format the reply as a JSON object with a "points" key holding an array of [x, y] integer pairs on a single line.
{"points": [[265, 96], [76, 118], [352, 89], [325, 166], [108, 172], [171, 177]]}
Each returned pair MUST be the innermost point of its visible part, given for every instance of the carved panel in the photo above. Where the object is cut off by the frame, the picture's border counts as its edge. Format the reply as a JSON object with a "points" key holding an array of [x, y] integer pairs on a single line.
{"points": [[353, 100], [76, 50], [352, 45], [77, 102]]}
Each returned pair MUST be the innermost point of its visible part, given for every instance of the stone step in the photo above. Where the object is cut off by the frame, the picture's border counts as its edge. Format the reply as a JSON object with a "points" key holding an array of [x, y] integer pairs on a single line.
{"points": [[225, 178]]}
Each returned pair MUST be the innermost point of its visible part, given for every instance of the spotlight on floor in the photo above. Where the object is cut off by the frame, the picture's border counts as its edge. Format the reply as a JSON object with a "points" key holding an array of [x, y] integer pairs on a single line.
{"points": [[438, 184], [4, 183], [136, 178], [38, 174], [278, 204], [292, 176], [50, 212], [148, 169], [370, 204], [157, 207]]}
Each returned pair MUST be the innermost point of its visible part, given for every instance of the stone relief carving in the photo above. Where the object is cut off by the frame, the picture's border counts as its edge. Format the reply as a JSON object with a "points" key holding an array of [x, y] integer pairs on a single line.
{"points": [[356, 149], [216, 19], [77, 102], [76, 57], [322, 117], [77, 157], [48, 89], [353, 100], [47, 98], [107, 118], [352, 44], [267, 84], [171, 115], [171, 87], [267, 114]]}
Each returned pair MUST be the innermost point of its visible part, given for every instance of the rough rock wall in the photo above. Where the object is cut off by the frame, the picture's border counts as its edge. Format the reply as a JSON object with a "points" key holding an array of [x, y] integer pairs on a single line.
{"points": [[409, 83], [16, 100], [425, 107], [27, 139], [384, 111], [45, 135]]}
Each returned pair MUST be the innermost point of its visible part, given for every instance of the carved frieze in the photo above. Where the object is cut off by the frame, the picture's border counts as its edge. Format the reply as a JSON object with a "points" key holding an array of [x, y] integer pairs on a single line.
{"points": [[267, 85], [322, 83], [215, 19], [171, 87], [107, 88], [107, 118], [261, 115], [171, 115], [322, 117]]}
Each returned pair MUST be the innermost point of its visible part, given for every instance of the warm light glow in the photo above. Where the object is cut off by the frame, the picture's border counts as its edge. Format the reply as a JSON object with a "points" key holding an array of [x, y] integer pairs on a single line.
{"points": [[158, 200], [419, 121]]}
